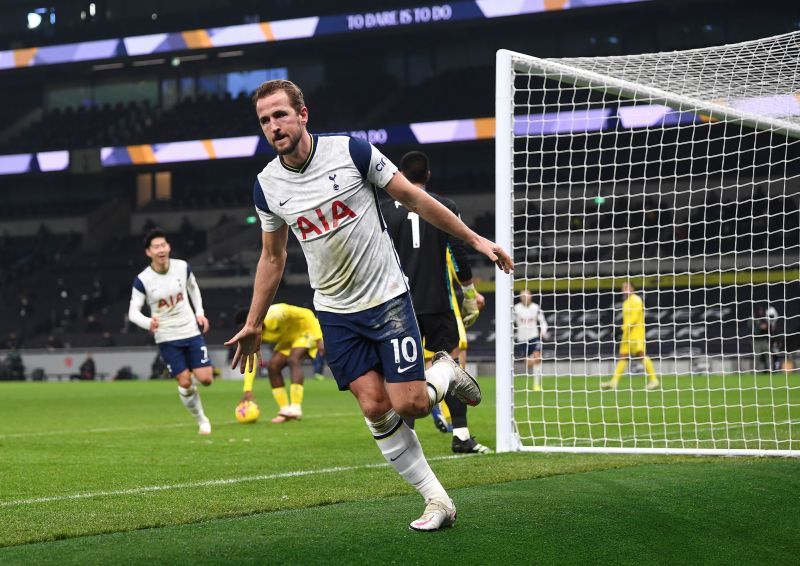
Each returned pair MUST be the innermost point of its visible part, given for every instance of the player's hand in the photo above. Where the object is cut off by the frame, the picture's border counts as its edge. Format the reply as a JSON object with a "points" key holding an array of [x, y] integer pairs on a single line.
{"points": [[495, 253], [543, 336], [481, 301], [202, 322], [248, 349], [153, 324], [469, 312]]}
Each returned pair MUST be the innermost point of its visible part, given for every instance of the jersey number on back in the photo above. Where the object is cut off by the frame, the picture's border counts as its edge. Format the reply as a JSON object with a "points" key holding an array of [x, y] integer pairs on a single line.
{"points": [[414, 218]]}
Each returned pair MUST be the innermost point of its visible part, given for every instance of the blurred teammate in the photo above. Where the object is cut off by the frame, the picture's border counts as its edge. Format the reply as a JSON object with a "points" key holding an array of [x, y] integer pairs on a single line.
{"points": [[167, 284], [632, 344], [531, 332], [295, 333], [324, 189], [424, 251]]}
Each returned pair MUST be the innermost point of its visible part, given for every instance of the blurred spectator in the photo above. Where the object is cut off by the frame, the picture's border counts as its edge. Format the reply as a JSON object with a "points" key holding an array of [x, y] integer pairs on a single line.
{"points": [[13, 368], [92, 324], [13, 342], [87, 369], [107, 339], [54, 343]]}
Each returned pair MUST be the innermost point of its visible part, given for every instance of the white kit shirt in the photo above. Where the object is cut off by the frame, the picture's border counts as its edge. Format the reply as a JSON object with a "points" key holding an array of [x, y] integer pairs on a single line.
{"points": [[168, 296], [331, 205], [529, 321]]}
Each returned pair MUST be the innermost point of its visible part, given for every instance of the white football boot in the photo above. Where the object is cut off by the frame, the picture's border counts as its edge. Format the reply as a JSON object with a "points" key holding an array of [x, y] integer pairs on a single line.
{"points": [[205, 427], [439, 514], [463, 385]]}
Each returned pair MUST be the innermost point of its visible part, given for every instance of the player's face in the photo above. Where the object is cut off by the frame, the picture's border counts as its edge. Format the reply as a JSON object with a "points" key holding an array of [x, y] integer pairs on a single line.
{"points": [[158, 251], [627, 289], [525, 297], [282, 125]]}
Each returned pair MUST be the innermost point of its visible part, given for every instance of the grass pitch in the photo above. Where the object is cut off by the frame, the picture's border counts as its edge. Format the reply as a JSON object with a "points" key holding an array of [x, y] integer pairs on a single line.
{"points": [[754, 411], [115, 473]]}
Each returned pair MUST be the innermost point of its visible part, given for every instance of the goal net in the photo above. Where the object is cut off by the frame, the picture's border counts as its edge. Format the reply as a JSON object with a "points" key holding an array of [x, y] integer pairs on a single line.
{"points": [[678, 174]]}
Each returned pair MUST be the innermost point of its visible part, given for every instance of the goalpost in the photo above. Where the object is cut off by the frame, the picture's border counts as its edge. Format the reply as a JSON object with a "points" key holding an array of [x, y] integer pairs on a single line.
{"points": [[677, 172]]}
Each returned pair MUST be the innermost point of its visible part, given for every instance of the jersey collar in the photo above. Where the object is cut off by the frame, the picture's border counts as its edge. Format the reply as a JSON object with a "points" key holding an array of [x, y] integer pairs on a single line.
{"points": [[304, 166]]}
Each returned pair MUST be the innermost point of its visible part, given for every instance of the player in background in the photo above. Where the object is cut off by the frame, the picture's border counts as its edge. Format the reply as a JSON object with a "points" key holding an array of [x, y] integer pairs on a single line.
{"points": [[423, 250], [324, 189], [632, 344], [295, 333], [531, 328], [167, 284], [442, 417]]}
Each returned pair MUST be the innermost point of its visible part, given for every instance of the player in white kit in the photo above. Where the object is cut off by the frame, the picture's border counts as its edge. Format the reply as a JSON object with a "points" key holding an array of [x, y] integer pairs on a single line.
{"points": [[167, 284], [324, 189], [531, 330]]}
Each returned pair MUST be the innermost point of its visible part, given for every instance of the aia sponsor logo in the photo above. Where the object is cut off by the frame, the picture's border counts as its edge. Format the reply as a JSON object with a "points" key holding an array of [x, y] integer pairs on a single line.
{"points": [[171, 301], [322, 222]]}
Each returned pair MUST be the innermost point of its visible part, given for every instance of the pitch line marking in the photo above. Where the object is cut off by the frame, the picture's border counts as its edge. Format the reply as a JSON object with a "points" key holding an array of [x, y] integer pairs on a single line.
{"points": [[207, 483]]}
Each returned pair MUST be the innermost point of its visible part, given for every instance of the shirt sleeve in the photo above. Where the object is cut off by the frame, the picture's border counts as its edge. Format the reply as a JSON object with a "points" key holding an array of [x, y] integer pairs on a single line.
{"points": [[542, 322], [137, 302], [193, 289], [269, 221], [371, 163]]}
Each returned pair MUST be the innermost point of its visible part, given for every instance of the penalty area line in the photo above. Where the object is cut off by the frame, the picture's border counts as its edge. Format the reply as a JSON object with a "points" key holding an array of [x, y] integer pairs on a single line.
{"points": [[207, 483]]}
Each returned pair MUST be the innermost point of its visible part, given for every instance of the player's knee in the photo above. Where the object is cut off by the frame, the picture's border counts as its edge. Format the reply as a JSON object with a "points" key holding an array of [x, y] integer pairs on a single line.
{"points": [[184, 379], [205, 377], [274, 366], [373, 410], [413, 408]]}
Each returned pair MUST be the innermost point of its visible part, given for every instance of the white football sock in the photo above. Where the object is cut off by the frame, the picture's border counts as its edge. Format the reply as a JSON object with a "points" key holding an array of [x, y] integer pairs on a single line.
{"points": [[438, 377], [462, 433], [191, 400], [537, 374], [401, 448]]}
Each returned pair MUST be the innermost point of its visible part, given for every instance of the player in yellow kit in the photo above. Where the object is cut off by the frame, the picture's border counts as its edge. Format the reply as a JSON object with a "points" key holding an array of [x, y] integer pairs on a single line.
{"points": [[632, 344], [295, 333]]}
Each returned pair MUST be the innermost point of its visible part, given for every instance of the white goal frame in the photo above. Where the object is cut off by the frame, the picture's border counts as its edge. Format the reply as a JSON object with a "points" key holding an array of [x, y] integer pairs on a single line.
{"points": [[507, 436]]}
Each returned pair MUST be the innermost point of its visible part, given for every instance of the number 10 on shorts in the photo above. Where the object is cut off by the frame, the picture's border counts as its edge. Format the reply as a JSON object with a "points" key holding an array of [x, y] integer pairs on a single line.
{"points": [[407, 347]]}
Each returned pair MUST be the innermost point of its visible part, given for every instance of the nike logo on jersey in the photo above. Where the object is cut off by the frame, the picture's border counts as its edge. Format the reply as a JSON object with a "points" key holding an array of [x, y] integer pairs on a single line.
{"points": [[405, 369], [396, 457], [284, 202]]}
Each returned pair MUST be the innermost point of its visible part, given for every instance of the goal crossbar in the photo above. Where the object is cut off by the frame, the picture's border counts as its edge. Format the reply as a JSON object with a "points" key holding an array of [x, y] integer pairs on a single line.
{"points": [[576, 76]]}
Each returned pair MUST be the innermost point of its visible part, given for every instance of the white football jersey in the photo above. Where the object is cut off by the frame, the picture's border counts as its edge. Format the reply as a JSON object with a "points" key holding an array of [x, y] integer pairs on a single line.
{"points": [[168, 296], [529, 321], [331, 205]]}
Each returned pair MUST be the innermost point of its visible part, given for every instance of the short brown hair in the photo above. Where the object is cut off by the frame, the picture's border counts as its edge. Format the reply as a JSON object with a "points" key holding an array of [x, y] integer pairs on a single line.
{"points": [[292, 91]]}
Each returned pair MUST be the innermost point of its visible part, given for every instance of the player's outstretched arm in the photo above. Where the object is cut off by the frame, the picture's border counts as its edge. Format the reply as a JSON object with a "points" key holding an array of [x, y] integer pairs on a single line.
{"points": [[268, 276], [417, 200]]}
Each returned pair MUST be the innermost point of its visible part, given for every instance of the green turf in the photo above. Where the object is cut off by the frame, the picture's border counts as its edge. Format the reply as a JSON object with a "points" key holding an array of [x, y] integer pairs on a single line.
{"points": [[760, 412], [78, 460]]}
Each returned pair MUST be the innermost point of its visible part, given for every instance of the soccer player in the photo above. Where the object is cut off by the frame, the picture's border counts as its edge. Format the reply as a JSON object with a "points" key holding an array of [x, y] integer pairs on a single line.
{"points": [[531, 332], [324, 189], [424, 251], [632, 344], [295, 333], [167, 284]]}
